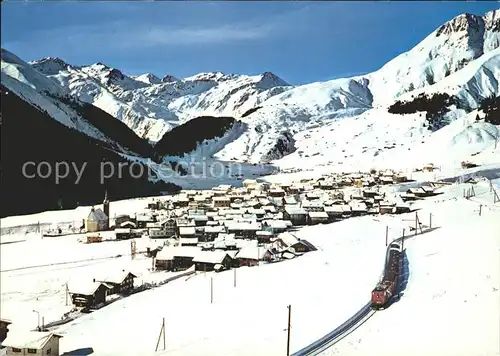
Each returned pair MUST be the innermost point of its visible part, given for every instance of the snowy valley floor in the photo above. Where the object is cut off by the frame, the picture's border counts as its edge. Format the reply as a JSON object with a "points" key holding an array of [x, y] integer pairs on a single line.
{"points": [[450, 305]]}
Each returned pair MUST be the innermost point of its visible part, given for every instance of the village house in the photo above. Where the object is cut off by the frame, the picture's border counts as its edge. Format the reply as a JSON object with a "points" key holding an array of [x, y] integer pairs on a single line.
{"points": [[264, 236], [187, 232], [289, 242], [119, 219], [158, 233], [181, 201], [402, 208], [4, 329], [189, 241], [289, 200], [143, 220], [200, 220], [211, 232], [32, 343], [337, 211], [127, 224], [121, 282], [298, 216], [276, 193], [221, 202], [312, 205], [358, 208], [164, 260], [123, 234], [243, 229], [250, 255], [421, 192], [176, 258], [92, 238], [212, 261], [386, 208], [429, 167], [317, 217], [89, 294], [276, 226]]}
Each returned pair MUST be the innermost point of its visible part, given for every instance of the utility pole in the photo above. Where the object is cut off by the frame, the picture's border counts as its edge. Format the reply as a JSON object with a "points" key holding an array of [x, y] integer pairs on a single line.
{"points": [[288, 331], [416, 223], [162, 333], [403, 241], [234, 277], [67, 292], [211, 290], [430, 220], [386, 235]]}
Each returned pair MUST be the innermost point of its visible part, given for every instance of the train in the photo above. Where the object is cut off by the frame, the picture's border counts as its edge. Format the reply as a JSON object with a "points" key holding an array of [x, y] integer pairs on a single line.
{"points": [[387, 287]]}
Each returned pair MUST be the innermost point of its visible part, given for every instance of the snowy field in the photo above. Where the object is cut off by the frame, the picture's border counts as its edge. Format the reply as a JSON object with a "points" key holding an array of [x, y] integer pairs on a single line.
{"points": [[451, 303], [35, 271], [449, 307]]}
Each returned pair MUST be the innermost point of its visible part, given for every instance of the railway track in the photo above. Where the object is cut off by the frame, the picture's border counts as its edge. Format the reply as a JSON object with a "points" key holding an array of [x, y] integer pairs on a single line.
{"points": [[330, 339], [358, 319]]}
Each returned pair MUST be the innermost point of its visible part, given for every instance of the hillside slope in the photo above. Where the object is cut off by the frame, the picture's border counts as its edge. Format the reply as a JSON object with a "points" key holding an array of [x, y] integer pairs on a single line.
{"points": [[30, 135], [58, 102]]}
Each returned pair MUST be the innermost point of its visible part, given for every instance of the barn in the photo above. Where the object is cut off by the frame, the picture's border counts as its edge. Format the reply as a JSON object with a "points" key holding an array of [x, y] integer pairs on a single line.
{"points": [[89, 295], [121, 282], [212, 260], [250, 255], [296, 215]]}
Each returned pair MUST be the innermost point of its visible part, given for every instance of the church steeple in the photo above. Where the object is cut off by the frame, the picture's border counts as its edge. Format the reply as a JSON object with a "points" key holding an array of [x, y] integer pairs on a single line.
{"points": [[105, 204]]}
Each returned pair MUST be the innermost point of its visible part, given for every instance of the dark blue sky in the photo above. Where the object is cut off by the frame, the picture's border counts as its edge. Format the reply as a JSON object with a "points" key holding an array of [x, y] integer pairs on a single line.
{"points": [[299, 41]]}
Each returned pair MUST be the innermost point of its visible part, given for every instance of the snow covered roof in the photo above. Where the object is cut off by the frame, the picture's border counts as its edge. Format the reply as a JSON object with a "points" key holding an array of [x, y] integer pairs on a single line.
{"points": [[318, 214], [249, 226], [116, 276], [166, 254], [97, 215], [127, 223], [224, 236], [288, 239], [28, 339], [187, 230], [295, 210], [210, 256], [189, 241], [122, 231], [357, 206], [221, 199], [214, 229], [337, 208], [86, 288], [252, 252], [276, 224], [264, 233]]}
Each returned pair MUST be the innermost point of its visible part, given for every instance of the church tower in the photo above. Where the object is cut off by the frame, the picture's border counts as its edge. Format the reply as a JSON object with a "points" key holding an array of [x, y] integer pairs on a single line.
{"points": [[105, 204]]}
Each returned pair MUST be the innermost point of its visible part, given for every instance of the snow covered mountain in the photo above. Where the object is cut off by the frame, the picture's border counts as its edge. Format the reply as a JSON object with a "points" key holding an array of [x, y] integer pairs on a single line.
{"points": [[151, 106], [48, 96], [460, 59]]}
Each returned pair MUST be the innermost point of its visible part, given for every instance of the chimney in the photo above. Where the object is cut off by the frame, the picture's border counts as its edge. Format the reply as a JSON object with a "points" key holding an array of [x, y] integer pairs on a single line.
{"points": [[93, 280]]}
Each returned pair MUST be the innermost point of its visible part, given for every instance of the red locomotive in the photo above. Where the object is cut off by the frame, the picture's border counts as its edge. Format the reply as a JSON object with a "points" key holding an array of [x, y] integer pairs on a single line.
{"points": [[387, 287]]}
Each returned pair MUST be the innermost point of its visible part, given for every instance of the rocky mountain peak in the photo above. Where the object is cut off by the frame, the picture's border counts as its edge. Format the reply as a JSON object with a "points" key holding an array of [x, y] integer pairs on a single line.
{"points": [[50, 65], [461, 23], [169, 79]]}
